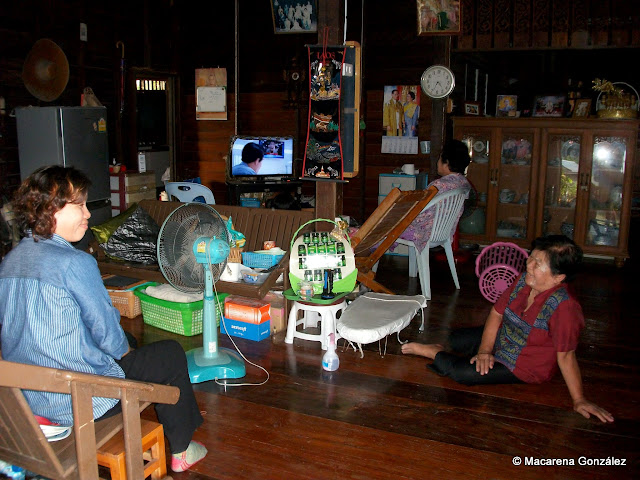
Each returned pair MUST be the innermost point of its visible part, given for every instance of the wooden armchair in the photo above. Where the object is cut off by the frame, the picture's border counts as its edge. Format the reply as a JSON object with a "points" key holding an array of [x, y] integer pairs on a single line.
{"points": [[387, 222], [22, 442]]}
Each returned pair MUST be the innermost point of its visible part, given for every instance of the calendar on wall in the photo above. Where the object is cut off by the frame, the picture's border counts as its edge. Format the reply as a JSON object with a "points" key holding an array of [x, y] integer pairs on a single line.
{"points": [[211, 94]]}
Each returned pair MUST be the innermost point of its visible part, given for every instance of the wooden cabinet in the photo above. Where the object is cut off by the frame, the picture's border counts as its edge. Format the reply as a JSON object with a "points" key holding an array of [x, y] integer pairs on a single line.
{"points": [[543, 176]]}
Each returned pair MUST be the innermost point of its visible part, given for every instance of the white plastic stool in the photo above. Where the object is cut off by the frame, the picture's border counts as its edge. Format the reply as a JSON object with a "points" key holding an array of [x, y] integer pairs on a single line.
{"points": [[312, 313]]}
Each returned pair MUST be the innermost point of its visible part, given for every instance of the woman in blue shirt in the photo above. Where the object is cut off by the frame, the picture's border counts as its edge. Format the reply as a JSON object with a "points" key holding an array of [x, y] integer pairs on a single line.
{"points": [[55, 312]]}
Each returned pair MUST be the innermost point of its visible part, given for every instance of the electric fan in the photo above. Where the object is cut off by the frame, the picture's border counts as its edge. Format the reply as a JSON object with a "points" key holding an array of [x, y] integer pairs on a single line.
{"points": [[193, 246]]}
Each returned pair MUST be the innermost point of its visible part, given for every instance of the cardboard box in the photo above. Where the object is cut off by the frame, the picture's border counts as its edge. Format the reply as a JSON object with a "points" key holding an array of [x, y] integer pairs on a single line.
{"points": [[246, 309], [279, 318], [250, 331], [279, 315]]}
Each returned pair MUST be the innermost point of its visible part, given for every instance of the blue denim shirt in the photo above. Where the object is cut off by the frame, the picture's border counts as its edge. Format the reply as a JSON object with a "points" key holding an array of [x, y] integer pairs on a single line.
{"points": [[55, 312]]}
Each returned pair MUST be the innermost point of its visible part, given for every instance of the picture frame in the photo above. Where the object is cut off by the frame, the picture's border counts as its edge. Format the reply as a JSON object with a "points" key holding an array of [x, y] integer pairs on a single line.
{"points": [[439, 18], [506, 105], [472, 109], [289, 17], [549, 105], [582, 108]]}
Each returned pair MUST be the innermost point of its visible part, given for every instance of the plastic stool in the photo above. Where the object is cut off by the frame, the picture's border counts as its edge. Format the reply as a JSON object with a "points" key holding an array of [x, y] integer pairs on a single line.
{"points": [[312, 313], [111, 454]]}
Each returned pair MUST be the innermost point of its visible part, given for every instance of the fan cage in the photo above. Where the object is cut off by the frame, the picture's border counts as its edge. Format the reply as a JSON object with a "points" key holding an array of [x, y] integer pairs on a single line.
{"points": [[179, 231], [497, 267]]}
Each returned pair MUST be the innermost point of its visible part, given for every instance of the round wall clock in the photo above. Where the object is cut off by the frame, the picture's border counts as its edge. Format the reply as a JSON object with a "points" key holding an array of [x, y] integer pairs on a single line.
{"points": [[437, 81]]}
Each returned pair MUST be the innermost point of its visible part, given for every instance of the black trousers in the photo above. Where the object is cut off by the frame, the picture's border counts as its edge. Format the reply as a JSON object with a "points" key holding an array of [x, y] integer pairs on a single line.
{"points": [[165, 363], [465, 343]]}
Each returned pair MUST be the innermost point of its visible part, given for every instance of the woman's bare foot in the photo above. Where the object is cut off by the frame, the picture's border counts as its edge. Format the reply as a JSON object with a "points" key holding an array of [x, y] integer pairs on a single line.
{"points": [[424, 350]]}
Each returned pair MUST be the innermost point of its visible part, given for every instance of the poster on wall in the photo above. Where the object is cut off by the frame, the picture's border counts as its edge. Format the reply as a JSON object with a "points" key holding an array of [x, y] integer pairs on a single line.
{"points": [[400, 115], [211, 94]]}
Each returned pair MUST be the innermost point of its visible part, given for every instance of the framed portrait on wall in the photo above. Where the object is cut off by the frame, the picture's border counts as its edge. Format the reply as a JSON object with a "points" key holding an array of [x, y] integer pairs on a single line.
{"points": [[439, 17], [291, 16]]}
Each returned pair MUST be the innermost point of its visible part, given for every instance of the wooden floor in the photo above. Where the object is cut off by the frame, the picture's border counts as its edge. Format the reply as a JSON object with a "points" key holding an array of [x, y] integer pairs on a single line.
{"points": [[390, 417]]}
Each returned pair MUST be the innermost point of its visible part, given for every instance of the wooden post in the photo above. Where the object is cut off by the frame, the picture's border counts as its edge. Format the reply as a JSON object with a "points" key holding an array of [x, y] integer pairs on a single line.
{"points": [[329, 194]]}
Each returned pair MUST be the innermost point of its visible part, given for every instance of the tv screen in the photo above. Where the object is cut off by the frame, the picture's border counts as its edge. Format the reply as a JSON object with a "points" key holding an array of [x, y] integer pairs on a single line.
{"points": [[277, 157]]}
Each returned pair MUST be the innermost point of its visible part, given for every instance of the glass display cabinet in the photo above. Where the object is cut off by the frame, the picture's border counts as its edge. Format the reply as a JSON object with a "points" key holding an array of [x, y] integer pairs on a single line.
{"points": [[544, 176]]}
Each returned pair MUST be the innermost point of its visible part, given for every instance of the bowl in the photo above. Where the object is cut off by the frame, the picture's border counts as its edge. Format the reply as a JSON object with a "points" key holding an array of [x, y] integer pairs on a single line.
{"points": [[255, 278]]}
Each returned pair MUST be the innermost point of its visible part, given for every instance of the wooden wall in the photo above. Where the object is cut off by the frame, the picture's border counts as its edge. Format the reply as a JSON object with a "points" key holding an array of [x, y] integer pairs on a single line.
{"points": [[526, 39]]}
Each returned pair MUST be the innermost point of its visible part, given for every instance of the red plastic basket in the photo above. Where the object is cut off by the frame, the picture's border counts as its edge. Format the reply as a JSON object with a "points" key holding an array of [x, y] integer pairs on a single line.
{"points": [[497, 267]]}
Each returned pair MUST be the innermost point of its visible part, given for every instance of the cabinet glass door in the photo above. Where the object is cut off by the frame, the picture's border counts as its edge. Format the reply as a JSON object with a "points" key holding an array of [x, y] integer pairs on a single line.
{"points": [[605, 190], [473, 220], [561, 185], [513, 185]]}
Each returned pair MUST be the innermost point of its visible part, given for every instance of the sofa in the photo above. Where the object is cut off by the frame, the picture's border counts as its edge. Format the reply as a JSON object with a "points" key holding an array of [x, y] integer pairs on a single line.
{"points": [[257, 224]]}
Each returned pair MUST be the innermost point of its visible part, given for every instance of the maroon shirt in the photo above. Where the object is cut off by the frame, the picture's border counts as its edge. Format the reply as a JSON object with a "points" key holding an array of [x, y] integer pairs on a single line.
{"points": [[528, 341]]}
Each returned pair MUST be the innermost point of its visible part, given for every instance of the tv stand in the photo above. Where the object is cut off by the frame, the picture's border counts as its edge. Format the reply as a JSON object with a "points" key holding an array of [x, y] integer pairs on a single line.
{"points": [[238, 188]]}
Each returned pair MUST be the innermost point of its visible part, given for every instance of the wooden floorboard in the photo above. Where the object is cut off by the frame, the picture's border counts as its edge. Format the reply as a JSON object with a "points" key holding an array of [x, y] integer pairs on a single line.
{"points": [[382, 417]]}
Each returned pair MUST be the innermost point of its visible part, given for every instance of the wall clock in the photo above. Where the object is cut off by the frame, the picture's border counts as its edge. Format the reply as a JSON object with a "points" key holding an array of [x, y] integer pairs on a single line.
{"points": [[437, 81]]}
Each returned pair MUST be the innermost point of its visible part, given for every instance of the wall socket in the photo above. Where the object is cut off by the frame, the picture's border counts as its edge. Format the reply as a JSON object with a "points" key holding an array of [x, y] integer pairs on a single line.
{"points": [[83, 32]]}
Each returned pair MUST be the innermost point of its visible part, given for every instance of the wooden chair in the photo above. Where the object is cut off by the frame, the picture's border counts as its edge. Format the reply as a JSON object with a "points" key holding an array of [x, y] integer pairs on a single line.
{"points": [[383, 227], [22, 442]]}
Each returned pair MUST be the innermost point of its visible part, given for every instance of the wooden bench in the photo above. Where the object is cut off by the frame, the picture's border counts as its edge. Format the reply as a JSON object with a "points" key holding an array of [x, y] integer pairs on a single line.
{"points": [[257, 225], [22, 442]]}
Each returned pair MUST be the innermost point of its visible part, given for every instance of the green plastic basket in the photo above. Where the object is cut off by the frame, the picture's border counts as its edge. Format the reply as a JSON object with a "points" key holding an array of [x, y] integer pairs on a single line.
{"points": [[181, 318]]}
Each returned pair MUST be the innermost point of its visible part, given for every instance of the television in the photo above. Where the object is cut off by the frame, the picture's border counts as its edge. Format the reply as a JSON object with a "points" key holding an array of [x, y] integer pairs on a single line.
{"points": [[276, 165]]}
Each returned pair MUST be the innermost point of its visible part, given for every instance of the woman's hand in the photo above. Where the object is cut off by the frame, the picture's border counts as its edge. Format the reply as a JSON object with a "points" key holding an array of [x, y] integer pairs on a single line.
{"points": [[484, 362], [586, 409]]}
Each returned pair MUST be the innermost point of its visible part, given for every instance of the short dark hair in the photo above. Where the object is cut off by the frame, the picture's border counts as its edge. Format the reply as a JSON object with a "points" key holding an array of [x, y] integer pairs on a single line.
{"points": [[45, 192], [565, 257], [456, 155], [413, 95], [252, 152]]}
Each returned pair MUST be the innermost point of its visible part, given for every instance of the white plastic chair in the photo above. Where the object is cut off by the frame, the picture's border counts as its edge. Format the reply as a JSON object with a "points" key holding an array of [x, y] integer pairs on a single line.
{"points": [[187, 192], [447, 207]]}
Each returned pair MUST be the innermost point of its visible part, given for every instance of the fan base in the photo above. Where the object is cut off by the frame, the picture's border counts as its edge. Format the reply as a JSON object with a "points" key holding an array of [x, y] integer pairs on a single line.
{"points": [[226, 364]]}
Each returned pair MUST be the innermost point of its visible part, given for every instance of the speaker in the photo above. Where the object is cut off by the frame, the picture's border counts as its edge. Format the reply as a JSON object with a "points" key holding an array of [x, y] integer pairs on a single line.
{"points": [[46, 70]]}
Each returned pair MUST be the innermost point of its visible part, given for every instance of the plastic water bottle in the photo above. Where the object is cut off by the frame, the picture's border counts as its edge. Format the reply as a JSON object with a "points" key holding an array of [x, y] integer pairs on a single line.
{"points": [[330, 361]]}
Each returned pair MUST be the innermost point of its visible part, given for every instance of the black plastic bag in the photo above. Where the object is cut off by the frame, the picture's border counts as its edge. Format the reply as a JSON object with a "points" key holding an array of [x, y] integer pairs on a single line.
{"points": [[135, 240]]}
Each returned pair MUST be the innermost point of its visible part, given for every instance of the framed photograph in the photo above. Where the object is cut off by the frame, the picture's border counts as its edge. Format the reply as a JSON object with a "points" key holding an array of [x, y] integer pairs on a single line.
{"points": [[582, 107], [290, 16], [506, 105], [472, 108], [548, 105], [439, 17]]}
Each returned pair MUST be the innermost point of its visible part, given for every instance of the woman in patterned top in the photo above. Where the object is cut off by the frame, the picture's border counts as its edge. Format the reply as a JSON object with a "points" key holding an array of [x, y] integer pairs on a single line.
{"points": [[452, 164], [532, 330], [55, 312]]}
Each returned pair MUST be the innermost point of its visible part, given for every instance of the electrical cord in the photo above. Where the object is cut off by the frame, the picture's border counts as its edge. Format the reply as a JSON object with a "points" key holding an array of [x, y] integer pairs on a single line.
{"points": [[226, 384]]}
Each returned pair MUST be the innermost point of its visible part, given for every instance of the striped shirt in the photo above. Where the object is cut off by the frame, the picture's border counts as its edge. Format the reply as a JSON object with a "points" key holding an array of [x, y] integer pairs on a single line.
{"points": [[55, 312]]}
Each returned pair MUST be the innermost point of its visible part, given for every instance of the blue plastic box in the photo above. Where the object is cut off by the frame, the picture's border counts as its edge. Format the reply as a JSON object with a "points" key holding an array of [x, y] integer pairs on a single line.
{"points": [[250, 331]]}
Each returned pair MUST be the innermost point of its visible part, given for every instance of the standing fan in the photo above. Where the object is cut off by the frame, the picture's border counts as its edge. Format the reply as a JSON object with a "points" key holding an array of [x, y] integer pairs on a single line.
{"points": [[193, 246]]}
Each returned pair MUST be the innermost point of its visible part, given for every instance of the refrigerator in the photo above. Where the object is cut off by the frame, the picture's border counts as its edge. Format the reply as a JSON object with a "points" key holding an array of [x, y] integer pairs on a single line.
{"points": [[70, 137]]}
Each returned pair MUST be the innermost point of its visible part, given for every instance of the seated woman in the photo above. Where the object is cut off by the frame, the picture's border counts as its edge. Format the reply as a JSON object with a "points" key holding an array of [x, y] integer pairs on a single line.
{"points": [[531, 330], [452, 164], [55, 312]]}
